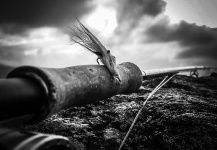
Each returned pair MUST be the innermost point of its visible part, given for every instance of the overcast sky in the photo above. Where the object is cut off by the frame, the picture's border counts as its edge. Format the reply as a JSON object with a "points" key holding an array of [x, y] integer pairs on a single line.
{"points": [[150, 33]]}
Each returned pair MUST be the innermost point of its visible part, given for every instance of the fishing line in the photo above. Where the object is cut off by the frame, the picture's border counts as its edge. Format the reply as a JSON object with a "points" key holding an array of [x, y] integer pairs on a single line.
{"points": [[163, 82]]}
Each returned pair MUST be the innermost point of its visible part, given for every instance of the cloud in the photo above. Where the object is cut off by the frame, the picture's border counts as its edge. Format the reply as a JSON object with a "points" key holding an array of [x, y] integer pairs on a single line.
{"points": [[131, 13], [143, 34], [143, 22], [17, 16], [32, 31], [44, 47], [198, 41], [185, 33], [133, 10], [207, 52], [14, 49], [11, 54]]}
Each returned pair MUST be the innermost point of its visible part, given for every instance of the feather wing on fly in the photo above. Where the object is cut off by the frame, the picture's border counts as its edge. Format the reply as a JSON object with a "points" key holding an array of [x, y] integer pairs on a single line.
{"points": [[82, 36]]}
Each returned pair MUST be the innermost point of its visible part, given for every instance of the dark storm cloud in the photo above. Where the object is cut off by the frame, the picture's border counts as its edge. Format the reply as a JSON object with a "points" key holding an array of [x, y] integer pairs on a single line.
{"points": [[134, 9], [185, 33], [16, 15], [130, 13], [208, 52], [201, 41]]}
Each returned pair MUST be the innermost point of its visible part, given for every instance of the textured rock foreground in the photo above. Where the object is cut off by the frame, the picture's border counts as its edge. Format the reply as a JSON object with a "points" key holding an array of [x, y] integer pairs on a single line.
{"points": [[182, 115]]}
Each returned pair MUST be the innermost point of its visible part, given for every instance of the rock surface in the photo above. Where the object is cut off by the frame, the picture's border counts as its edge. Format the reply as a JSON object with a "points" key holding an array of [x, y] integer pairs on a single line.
{"points": [[181, 115]]}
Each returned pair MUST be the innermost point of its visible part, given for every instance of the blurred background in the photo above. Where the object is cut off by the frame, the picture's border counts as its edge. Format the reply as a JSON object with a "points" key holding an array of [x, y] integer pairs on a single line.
{"points": [[150, 33]]}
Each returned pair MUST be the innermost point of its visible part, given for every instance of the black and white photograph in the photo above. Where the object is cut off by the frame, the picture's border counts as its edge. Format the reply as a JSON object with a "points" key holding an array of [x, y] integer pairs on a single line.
{"points": [[108, 75]]}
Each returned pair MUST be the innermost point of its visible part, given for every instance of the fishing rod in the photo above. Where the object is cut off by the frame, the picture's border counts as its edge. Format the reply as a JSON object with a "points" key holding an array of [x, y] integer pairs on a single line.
{"points": [[31, 94], [193, 70], [72, 86]]}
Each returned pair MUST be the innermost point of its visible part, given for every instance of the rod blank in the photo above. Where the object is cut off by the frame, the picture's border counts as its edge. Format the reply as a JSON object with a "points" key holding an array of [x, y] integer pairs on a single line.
{"points": [[19, 96]]}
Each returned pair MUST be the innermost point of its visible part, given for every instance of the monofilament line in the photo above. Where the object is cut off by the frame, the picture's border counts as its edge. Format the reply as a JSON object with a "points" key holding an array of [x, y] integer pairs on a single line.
{"points": [[163, 82]]}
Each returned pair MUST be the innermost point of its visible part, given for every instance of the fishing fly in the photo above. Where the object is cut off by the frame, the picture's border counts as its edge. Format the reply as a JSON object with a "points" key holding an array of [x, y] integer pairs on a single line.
{"points": [[82, 36]]}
